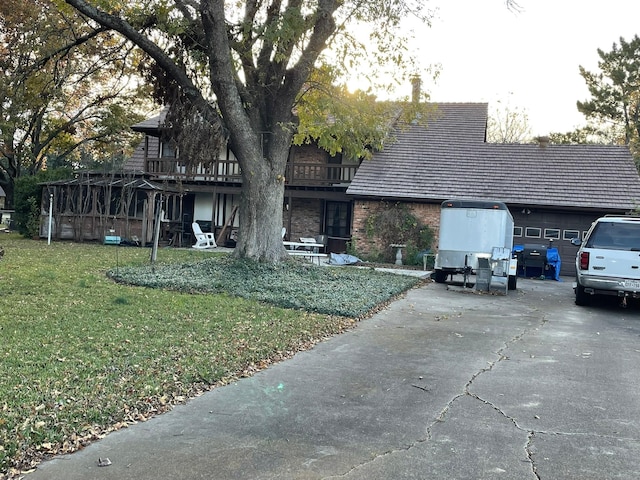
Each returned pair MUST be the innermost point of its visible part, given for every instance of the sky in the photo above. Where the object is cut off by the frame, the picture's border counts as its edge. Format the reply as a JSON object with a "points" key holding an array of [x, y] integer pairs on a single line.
{"points": [[528, 60]]}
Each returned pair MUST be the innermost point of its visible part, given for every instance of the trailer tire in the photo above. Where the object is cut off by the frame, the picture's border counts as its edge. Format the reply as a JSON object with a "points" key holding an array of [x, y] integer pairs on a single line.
{"points": [[512, 282], [440, 276]]}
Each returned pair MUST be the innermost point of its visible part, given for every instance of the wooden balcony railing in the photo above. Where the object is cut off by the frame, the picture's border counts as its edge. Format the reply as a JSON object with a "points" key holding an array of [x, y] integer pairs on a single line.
{"points": [[296, 174], [220, 171], [321, 174]]}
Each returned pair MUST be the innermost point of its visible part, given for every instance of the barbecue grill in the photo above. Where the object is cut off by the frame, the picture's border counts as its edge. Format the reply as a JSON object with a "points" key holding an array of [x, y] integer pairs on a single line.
{"points": [[533, 259]]}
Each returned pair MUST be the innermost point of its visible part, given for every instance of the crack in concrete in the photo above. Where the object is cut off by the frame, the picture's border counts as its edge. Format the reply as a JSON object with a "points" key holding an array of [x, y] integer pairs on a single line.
{"points": [[466, 392], [529, 453], [531, 434], [501, 356]]}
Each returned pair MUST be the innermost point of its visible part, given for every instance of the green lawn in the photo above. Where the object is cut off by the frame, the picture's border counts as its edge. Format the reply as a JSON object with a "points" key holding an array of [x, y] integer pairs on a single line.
{"points": [[93, 338]]}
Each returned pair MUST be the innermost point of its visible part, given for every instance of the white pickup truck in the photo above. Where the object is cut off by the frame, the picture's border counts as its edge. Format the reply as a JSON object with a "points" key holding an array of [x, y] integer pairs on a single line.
{"points": [[608, 261]]}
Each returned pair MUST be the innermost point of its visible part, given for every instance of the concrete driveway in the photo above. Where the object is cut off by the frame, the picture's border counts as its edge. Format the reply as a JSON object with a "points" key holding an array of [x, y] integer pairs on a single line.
{"points": [[443, 384]]}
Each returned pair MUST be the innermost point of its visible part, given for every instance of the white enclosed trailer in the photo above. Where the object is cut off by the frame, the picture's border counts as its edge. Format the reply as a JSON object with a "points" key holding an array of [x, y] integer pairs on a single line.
{"points": [[474, 232]]}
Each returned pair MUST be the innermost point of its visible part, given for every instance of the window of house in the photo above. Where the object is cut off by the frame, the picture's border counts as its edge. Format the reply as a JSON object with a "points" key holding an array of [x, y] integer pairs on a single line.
{"points": [[517, 231], [570, 234], [167, 150], [338, 219], [553, 233], [532, 232]]}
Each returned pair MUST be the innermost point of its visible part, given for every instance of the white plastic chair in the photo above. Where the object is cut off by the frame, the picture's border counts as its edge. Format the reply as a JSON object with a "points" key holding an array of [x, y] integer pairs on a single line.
{"points": [[203, 240]]}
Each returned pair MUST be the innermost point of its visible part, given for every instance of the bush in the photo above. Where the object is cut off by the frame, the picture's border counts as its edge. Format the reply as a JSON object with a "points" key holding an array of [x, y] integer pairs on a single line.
{"points": [[395, 223], [27, 196]]}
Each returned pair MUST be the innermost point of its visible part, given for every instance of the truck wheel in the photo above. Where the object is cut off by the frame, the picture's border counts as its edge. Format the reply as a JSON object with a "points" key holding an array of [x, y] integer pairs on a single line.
{"points": [[512, 282], [582, 298], [440, 276]]}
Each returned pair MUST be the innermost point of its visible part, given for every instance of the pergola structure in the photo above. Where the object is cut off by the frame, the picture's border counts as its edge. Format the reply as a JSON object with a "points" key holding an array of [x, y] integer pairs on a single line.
{"points": [[92, 206]]}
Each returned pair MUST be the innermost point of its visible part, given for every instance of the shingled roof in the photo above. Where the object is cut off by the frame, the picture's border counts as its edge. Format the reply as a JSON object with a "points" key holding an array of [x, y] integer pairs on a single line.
{"points": [[457, 123], [449, 159], [151, 126]]}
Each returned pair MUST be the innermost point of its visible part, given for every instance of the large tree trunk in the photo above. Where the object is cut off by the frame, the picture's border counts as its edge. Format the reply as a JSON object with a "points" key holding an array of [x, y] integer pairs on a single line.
{"points": [[260, 212], [260, 232]]}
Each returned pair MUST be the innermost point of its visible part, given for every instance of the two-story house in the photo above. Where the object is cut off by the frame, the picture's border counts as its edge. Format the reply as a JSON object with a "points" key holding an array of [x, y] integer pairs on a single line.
{"points": [[554, 192], [154, 183]]}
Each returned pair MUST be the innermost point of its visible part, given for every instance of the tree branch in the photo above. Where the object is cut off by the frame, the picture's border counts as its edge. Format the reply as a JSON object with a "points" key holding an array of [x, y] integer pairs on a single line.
{"points": [[66, 48], [224, 81], [155, 52], [324, 28]]}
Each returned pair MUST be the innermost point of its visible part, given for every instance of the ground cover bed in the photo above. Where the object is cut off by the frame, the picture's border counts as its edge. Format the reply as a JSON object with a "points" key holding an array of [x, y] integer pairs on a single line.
{"points": [[94, 338]]}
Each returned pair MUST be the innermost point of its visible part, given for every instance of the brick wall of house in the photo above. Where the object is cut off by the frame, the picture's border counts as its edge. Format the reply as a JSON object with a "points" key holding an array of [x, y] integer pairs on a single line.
{"points": [[305, 158], [306, 218], [309, 153], [428, 214]]}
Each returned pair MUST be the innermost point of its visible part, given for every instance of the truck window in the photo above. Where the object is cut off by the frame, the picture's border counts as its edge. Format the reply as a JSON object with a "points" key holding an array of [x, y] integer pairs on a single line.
{"points": [[615, 236]]}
